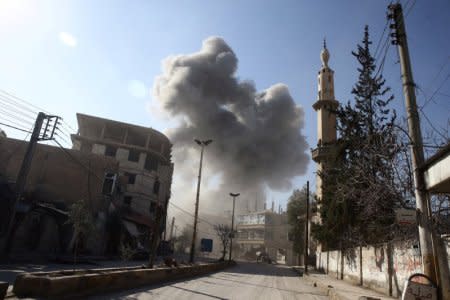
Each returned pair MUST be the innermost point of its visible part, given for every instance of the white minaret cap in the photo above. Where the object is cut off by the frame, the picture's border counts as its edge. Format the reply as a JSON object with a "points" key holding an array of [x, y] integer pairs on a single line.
{"points": [[324, 55]]}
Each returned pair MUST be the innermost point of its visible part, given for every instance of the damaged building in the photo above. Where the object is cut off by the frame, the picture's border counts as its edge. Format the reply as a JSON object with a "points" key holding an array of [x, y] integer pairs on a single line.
{"points": [[123, 173], [56, 180], [145, 169]]}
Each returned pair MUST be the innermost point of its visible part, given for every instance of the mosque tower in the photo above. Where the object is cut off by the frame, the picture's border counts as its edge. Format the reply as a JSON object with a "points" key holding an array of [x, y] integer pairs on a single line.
{"points": [[325, 106]]}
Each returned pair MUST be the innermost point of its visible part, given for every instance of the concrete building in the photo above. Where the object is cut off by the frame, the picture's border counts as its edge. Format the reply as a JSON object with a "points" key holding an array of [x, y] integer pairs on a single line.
{"points": [[57, 179], [144, 157], [326, 151], [265, 232]]}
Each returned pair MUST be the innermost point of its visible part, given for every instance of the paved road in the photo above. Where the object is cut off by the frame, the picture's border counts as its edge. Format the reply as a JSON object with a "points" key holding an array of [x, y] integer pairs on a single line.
{"points": [[244, 281]]}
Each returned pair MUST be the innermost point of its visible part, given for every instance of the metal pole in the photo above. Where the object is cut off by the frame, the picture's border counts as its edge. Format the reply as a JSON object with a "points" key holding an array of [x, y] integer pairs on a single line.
{"points": [[194, 235], [422, 200], [232, 225], [155, 236], [171, 228], [306, 227], [22, 177], [202, 144]]}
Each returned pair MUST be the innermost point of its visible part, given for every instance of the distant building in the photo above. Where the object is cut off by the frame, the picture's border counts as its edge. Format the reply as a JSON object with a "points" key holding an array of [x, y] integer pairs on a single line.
{"points": [[144, 157], [264, 232]]}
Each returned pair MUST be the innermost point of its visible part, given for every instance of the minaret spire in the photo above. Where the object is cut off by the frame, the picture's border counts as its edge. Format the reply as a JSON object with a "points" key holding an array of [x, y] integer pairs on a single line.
{"points": [[324, 55]]}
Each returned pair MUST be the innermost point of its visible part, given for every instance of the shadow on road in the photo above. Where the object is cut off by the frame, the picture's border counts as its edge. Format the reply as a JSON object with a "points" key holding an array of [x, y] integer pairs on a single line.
{"points": [[261, 269]]}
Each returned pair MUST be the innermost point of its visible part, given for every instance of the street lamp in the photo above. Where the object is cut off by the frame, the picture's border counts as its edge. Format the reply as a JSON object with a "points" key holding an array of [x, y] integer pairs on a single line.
{"points": [[202, 144], [232, 224]]}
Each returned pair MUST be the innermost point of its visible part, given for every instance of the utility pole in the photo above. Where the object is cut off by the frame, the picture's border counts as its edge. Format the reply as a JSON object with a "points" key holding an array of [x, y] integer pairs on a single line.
{"points": [[155, 235], [428, 239], [51, 122], [232, 225], [202, 144], [306, 228], [171, 228]]}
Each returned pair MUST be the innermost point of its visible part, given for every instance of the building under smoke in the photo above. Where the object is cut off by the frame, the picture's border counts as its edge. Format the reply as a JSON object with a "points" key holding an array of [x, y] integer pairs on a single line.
{"points": [[257, 136]]}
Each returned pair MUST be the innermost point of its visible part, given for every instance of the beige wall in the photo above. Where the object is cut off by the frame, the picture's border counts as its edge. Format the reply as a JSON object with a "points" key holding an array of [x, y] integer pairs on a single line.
{"points": [[405, 260], [57, 176]]}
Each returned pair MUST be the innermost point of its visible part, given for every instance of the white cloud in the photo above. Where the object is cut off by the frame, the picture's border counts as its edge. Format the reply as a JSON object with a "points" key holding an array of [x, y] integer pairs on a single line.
{"points": [[137, 89], [67, 39]]}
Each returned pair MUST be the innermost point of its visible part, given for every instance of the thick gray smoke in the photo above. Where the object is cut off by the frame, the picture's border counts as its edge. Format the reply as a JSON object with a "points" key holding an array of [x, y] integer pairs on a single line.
{"points": [[257, 140]]}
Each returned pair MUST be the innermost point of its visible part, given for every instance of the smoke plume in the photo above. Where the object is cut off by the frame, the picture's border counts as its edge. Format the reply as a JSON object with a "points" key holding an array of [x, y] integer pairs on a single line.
{"points": [[257, 139]]}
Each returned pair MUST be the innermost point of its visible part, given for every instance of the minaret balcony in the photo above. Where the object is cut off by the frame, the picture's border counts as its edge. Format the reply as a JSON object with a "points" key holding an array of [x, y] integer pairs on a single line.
{"points": [[328, 104], [323, 152]]}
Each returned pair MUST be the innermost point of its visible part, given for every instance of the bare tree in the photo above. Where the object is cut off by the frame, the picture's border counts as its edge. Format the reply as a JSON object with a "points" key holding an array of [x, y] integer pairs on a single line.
{"points": [[223, 231]]}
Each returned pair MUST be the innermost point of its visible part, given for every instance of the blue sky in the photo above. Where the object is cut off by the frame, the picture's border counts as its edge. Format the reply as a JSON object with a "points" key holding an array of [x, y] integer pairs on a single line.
{"points": [[101, 57]]}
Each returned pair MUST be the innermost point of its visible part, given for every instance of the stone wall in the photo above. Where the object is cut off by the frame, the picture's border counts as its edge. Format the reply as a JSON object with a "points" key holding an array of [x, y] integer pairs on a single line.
{"points": [[385, 267]]}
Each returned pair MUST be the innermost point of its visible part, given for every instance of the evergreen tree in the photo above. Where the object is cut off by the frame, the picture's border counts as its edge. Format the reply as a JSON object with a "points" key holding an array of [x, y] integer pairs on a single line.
{"points": [[360, 191]]}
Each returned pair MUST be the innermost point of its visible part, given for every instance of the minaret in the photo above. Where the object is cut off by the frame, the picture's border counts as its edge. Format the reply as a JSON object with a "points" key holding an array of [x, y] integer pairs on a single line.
{"points": [[325, 107]]}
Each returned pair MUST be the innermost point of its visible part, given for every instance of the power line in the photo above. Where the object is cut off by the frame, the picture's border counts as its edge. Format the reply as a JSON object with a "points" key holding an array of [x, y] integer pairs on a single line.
{"points": [[24, 101], [12, 99], [76, 160], [435, 92], [9, 105], [16, 117], [14, 102], [65, 141], [181, 209], [433, 127], [10, 126], [381, 37], [10, 121]]}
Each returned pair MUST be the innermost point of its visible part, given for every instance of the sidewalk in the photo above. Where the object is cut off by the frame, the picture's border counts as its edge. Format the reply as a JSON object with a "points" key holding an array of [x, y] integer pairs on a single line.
{"points": [[340, 289]]}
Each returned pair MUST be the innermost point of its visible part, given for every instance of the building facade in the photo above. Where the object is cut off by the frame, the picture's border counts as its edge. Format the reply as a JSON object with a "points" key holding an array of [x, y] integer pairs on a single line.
{"points": [[264, 232], [145, 168]]}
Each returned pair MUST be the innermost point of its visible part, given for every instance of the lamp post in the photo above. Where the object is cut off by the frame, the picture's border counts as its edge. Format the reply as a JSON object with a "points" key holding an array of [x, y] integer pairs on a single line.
{"points": [[202, 144], [232, 224]]}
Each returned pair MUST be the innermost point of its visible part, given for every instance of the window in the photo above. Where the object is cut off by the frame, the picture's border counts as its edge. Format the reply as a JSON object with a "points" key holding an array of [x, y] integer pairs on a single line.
{"points": [[110, 151], [131, 178], [86, 147], [109, 183], [156, 187], [152, 207], [151, 163], [127, 200], [133, 155]]}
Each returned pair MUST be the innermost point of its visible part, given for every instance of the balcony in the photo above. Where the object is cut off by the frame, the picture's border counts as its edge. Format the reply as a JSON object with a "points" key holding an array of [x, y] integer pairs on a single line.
{"points": [[323, 152]]}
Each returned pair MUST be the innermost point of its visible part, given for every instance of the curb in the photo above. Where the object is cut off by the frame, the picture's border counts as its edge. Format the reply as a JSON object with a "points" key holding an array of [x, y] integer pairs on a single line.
{"points": [[69, 284], [331, 291]]}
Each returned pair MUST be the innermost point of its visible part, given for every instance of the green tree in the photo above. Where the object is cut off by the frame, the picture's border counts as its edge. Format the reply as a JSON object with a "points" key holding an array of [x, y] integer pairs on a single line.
{"points": [[82, 222], [296, 214]]}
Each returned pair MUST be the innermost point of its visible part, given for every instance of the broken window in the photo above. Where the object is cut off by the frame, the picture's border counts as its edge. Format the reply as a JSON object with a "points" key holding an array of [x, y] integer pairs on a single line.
{"points": [[110, 151], [133, 155], [151, 163], [127, 200], [156, 186], [131, 178]]}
